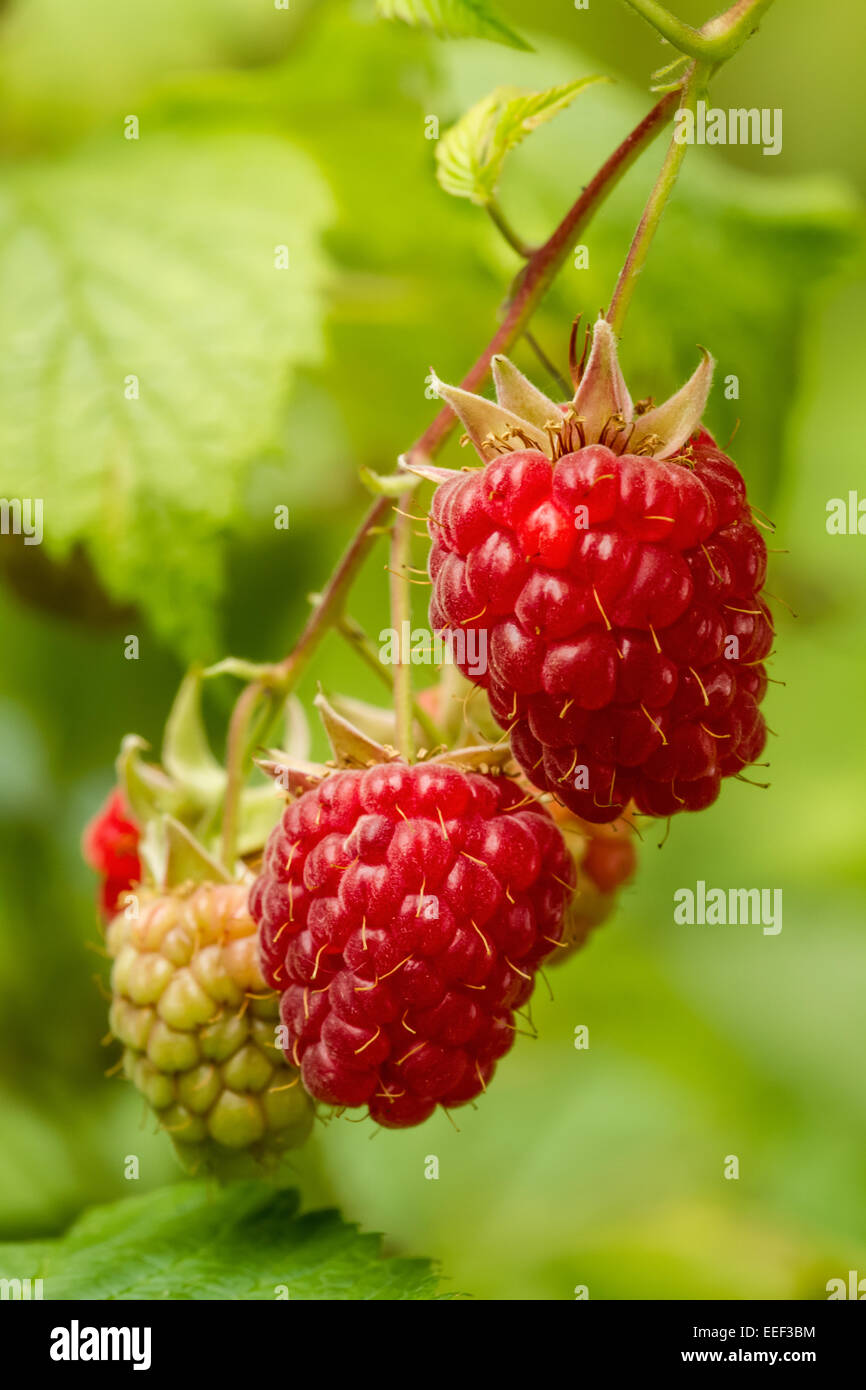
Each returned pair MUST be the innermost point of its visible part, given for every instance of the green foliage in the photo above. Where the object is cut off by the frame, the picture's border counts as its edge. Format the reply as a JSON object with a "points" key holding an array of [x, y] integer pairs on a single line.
{"points": [[130, 268], [471, 155], [474, 19], [191, 1241], [62, 69]]}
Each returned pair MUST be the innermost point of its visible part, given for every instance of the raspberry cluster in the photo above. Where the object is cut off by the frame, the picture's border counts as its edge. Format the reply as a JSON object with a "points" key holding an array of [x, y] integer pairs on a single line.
{"points": [[619, 595], [403, 913]]}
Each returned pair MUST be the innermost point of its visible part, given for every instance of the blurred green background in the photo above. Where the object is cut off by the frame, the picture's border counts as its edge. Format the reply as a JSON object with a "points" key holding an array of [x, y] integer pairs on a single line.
{"points": [[154, 258]]}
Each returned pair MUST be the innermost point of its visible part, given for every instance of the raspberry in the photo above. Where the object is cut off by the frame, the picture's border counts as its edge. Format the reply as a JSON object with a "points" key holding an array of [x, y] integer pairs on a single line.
{"points": [[110, 846], [610, 586], [198, 1027], [403, 912], [605, 859]]}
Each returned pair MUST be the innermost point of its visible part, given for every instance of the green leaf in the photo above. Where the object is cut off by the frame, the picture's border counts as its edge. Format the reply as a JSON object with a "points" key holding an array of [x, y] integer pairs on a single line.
{"points": [[150, 266], [456, 19], [470, 156], [243, 1242]]}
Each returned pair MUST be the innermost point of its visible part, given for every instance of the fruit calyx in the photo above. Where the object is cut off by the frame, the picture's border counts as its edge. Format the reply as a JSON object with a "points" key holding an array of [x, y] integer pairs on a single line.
{"points": [[601, 411], [354, 746]]}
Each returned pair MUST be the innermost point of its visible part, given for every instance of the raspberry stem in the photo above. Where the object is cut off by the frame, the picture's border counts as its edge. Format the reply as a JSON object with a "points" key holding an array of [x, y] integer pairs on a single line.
{"points": [[500, 221], [358, 640], [652, 214], [236, 767], [715, 43], [549, 366], [513, 239], [717, 40], [709, 46]]}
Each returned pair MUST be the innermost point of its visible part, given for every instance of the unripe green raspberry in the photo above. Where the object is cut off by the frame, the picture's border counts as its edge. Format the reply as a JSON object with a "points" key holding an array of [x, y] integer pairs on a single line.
{"points": [[197, 1023]]}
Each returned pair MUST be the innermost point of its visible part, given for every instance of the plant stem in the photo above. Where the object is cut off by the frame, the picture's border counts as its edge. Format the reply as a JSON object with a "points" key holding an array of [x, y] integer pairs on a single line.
{"points": [[652, 214], [682, 36], [717, 40], [730, 30], [236, 765], [550, 367], [401, 620], [499, 220], [354, 634]]}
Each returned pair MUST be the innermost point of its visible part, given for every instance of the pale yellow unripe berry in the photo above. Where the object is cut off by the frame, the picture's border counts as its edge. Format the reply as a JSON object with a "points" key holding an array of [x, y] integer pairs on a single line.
{"points": [[198, 1023]]}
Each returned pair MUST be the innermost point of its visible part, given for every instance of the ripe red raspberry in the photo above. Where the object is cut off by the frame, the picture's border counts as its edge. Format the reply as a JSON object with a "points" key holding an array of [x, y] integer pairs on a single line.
{"points": [[110, 846], [605, 859], [616, 575], [403, 912]]}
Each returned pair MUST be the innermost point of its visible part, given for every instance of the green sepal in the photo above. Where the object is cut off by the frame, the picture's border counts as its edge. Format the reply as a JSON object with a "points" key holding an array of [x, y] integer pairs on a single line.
{"points": [[375, 722], [387, 484], [292, 775], [263, 673], [483, 419], [260, 810], [185, 859], [516, 393], [351, 746], [480, 758], [186, 752], [602, 393], [148, 791], [674, 422], [430, 472], [297, 739]]}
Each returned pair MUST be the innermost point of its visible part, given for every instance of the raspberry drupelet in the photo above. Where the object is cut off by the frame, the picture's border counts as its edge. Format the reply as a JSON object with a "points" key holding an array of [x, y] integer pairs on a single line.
{"points": [[110, 846], [403, 913], [613, 565]]}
